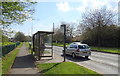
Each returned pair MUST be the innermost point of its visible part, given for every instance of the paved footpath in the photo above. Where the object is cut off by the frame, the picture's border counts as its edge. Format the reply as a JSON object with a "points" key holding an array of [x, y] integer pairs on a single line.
{"points": [[24, 63]]}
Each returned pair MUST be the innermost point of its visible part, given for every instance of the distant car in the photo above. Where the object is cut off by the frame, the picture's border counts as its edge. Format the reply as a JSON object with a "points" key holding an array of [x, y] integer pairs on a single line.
{"points": [[78, 49]]}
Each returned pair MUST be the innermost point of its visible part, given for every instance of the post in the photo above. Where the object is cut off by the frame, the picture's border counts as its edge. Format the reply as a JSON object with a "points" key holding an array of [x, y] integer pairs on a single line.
{"points": [[64, 27], [52, 41], [39, 46], [33, 44], [64, 41]]}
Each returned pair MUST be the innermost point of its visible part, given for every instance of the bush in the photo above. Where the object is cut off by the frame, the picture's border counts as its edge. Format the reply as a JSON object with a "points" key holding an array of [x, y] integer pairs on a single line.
{"points": [[6, 49], [107, 36]]}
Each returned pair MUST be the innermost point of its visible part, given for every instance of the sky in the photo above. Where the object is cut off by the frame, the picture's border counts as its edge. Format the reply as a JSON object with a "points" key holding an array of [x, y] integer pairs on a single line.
{"points": [[49, 12]]}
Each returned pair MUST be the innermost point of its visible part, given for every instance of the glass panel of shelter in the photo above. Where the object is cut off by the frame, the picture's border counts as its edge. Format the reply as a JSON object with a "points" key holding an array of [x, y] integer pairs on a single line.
{"points": [[39, 42]]}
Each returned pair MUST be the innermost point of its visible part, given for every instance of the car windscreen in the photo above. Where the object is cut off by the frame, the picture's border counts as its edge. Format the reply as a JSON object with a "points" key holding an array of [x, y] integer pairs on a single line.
{"points": [[83, 46], [73, 46]]}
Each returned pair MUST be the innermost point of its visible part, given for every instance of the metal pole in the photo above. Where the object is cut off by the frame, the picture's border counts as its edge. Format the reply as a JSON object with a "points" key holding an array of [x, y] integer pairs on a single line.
{"points": [[39, 45], [52, 41], [64, 42], [33, 44]]}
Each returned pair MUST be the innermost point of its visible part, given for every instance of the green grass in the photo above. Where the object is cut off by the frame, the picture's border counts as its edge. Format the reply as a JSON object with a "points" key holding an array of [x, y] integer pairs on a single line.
{"points": [[106, 49], [27, 45], [63, 68], [6, 43], [8, 60], [46, 52], [60, 44], [0, 67]]}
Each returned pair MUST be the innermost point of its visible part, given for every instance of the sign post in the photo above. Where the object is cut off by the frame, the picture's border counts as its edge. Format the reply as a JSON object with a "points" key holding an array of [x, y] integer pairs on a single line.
{"points": [[63, 29]]}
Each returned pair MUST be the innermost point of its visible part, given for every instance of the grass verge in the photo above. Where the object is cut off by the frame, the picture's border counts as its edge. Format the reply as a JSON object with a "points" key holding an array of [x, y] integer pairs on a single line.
{"points": [[60, 44], [64, 68], [27, 45], [8, 60], [104, 49], [46, 52], [6, 43]]}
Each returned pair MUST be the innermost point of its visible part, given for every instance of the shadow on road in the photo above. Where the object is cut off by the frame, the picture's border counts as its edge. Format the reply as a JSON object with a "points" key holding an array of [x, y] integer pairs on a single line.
{"points": [[24, 62], [77, 59]]}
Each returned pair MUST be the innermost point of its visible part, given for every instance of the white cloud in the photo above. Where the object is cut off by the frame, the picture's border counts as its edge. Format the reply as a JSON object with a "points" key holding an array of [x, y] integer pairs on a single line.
{"points": [[91, 4], [88, 4], [63, 6], [114, 9], [80, 8]]}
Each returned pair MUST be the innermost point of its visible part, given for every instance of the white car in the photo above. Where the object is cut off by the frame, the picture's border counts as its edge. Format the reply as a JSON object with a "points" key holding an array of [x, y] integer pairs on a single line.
{"points": [[78, 49]]}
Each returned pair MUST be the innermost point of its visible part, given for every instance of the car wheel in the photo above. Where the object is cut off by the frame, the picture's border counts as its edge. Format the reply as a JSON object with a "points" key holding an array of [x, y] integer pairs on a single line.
{"points": [[73, 55], [86, 57]]}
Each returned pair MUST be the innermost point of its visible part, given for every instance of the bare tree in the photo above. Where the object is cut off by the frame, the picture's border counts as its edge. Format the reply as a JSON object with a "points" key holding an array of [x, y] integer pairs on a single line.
{"points": [[94, 24], [70, 28], [80, 28], [70, 31], [98, 17], [58, 35]]}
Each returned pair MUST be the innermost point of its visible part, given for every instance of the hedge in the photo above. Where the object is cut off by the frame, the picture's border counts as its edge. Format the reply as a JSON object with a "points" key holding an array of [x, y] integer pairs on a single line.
{"points": [[6, 49]]}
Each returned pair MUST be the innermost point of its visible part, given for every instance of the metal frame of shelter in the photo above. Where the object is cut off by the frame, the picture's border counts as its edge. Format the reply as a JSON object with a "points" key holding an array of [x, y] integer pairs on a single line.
{"points": [[39, 46]]}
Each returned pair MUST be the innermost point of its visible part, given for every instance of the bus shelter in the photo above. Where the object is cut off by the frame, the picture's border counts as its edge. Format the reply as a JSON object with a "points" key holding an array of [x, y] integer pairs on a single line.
{"points": [[42, 44]]}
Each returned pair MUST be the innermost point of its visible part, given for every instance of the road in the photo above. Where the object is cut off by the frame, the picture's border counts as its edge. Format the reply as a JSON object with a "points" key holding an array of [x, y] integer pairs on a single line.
{"points": [[102, 63]]}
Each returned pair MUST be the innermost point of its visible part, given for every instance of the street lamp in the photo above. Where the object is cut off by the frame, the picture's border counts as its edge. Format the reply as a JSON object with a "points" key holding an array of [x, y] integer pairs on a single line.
{"points": [[31, 19], [63, 30]]}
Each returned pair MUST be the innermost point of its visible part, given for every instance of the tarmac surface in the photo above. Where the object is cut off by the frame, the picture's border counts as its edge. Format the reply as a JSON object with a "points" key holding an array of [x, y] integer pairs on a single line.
{"points": [[24, 63]]}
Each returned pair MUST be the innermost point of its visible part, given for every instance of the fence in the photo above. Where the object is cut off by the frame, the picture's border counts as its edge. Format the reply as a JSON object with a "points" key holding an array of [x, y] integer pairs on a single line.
{"points": [[6, 49]]}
